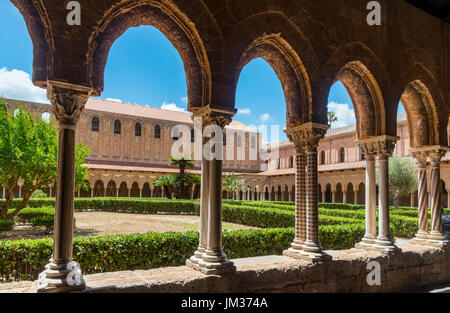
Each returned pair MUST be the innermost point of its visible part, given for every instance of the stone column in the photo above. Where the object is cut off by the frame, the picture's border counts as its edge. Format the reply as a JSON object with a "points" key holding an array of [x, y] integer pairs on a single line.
{"points": [[152, 189], [3, 194], [214, 261], [386, 147], [436, 238], [421, 158], [306, 138], [355, 198], [448, 198], [140, 193], [296, 135], [369, 148], [117, 192], [344, 196], [413, 200], [92, 192], [380, 148], [324, 195], [333, 196], [63, 274]]}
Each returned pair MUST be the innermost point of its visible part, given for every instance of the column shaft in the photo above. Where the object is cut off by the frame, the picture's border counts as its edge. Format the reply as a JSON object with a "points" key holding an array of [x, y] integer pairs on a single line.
{"points": [[371, 202], [435, 194], [384, 237]]}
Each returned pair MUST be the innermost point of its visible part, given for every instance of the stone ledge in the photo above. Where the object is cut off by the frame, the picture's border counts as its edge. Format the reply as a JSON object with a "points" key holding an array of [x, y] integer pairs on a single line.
{"points": [[417, 266]]}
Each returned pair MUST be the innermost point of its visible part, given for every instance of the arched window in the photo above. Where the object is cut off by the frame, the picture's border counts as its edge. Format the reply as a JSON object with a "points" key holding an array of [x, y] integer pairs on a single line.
{"points": [[253, 142], [157, 132], [239, 140], [322, 158], [95, 124], [117, 127], [192, 135], [138, 130], [291, 161], [342, 155]]}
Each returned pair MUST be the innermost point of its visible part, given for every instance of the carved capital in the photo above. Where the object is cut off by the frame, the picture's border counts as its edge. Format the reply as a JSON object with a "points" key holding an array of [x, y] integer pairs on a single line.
{"points": [[433, 153], [306, 137], [381, 147], [68, 101], [215, 116]]}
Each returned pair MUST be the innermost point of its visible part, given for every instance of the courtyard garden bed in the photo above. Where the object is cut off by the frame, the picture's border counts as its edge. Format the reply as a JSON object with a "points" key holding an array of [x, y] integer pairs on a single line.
{"points": [[267, 229]]}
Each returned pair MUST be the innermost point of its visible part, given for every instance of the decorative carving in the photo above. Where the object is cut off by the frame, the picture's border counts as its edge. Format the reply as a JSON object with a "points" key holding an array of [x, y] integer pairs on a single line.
{"points": [[306, 137], [212, 116], [381, 147], [68, 101]]}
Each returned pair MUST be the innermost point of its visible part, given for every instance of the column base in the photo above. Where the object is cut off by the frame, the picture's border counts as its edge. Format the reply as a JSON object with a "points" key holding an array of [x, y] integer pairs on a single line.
{"points": [[420, 238], [196, 258], [313, 252], [64, 277], [437, 239], [215, 263]]}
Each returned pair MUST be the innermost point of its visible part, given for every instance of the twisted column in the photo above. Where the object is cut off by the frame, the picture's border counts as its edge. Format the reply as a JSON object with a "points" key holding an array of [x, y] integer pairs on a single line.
{"points": [[436, 237], [421, 159], [306, 245], [62, 274]]}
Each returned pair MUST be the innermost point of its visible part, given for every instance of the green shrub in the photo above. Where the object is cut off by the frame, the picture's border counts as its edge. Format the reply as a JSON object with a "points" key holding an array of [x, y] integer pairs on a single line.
{"points": [[6, 225], [43, 221], [27, 214], [39, 194], [24, 259]]}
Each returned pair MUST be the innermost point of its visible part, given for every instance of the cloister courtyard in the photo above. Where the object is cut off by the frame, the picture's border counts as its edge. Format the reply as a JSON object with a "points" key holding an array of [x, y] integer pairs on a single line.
{"points": [[145, 193]]}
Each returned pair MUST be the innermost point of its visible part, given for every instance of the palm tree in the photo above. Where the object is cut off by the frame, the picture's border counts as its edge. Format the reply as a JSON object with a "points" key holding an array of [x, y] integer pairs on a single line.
{"points": [[190, 180], [233, 183], [182, 163], [332, 117], [169, 184]]}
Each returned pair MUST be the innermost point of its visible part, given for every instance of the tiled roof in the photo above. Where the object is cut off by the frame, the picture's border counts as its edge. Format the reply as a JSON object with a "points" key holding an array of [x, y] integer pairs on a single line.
{"points": [[95, 104], [115, 107], [322, 168]]}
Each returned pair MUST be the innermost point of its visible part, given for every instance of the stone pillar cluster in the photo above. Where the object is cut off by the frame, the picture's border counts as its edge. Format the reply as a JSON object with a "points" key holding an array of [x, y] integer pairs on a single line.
{"points": [[209, 257], [306, 244], [422, 155], [377, 149], [62, 273]]}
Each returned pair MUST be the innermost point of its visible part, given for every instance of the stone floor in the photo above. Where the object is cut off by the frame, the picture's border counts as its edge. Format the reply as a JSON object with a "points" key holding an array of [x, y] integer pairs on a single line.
{"points": [[415, 266]]}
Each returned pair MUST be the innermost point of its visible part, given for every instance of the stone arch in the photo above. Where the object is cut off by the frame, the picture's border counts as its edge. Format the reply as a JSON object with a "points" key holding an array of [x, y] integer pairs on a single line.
{"points": [[341, 154], [146, 190], [286, 50], [134, 191], [350, 193], [99, 188], [111, 189], [339, 197], [322, 157], [422, 98], [364, 76], [328, 196], [174, 24], [123, 189], [40, 30], [361, 193]]}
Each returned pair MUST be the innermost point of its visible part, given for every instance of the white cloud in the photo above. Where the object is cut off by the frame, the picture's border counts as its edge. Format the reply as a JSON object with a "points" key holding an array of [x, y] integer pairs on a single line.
{"points": [[172, 107], [345, 114], [265, 117], [184, 99], [245, 111], [16, 84], [114, 100]]}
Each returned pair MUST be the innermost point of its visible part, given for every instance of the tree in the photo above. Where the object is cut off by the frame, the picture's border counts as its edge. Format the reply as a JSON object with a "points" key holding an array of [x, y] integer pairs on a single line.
{"points": [[29, 153], [182, 162], [81, 172], [402, 178], [332, 118], [233, 183], [169, 184]]}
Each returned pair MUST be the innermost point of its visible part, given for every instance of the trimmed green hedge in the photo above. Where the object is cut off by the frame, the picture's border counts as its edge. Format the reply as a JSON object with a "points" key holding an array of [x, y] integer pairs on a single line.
{"points": [[6, 225], [26, 258]]}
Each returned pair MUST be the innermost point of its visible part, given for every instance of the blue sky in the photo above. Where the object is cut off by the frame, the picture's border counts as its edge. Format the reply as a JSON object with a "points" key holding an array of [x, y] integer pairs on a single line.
{"points": [[144, 68]]}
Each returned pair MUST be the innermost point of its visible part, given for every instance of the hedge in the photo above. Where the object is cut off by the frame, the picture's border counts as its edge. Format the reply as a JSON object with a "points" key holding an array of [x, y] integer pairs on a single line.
{"points": [[24, 259], [6, 225]]}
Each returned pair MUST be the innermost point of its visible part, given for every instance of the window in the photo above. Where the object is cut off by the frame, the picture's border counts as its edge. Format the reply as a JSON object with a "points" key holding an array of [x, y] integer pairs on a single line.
{"points": [[192, 135], [253, 142], [291, 161], [224, 139], [363, 157], [322, 158], [95, 124], [117, 127], [157, 132], [239, 140], [138, 130], [342, 155]]}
